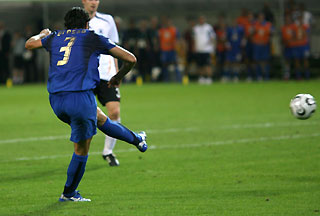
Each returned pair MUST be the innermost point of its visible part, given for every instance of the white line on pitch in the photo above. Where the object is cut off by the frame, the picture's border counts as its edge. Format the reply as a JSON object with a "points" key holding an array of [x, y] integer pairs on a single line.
{"points": [[171, 130], [213, 143]]}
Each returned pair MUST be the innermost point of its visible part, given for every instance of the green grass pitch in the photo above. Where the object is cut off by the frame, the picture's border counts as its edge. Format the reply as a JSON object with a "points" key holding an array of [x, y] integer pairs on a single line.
{"points": [[224, 149]]}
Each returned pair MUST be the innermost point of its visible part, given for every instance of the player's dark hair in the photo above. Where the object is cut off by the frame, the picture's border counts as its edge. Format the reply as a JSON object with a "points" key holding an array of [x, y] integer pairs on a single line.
{"points": [[76, 18]]}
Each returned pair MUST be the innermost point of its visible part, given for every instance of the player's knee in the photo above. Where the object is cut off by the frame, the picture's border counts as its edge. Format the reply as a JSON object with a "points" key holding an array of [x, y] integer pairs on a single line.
{"points": [[114, 114], [101, 117], [82, 147]]}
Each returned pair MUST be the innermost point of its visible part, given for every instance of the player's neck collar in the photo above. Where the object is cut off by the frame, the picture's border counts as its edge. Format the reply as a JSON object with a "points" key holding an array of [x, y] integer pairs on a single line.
{"points": [[93, 15]]}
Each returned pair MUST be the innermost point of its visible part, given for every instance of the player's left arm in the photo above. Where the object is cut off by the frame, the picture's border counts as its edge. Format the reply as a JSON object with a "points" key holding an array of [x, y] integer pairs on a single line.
{"points": [[35, 41]]}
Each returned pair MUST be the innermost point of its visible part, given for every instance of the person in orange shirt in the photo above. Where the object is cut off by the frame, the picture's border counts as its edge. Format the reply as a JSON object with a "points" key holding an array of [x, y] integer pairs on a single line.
{"points": [[168, 38], [301, 48], [243, 19], [261, 40], [287, 41]]}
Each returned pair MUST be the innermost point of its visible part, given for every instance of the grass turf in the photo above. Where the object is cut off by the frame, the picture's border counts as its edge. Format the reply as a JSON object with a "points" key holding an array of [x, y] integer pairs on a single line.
{"points": [[224, 149]]}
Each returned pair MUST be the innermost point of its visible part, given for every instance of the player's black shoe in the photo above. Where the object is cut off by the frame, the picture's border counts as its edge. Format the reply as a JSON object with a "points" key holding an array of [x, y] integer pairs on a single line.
{"points": [[111, 159]]}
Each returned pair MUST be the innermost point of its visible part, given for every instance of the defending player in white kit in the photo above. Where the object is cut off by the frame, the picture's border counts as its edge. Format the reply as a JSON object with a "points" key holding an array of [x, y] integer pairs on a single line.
{"points": [[103, 24]]}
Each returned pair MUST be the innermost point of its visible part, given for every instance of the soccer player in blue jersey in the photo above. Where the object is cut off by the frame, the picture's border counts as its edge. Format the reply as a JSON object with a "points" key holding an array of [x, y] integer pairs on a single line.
{"points": [[73, 75], [235, 34]]}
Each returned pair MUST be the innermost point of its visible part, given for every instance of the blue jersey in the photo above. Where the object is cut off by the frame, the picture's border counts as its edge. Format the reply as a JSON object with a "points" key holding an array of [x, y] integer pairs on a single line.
{"points": [[234, 37], [74, 59]]}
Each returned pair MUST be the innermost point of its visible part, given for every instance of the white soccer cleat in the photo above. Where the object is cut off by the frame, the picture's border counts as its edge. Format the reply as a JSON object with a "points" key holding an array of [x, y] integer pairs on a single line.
{"points": [[76, 198]]}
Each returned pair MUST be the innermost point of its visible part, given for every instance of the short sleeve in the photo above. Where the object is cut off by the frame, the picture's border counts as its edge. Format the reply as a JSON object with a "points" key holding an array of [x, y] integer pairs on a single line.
{"points": [[46, 41], [113, 33], [103, 44]]}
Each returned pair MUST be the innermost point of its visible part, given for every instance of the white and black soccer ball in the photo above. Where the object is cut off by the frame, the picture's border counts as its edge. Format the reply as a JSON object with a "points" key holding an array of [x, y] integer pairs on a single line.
{"points": [[303, 106]]}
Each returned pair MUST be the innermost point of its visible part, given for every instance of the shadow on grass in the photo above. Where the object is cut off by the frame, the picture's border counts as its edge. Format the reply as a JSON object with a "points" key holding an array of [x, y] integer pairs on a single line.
{"points": [[29, 176], [93, 168], [45, 174], [47, 210]]}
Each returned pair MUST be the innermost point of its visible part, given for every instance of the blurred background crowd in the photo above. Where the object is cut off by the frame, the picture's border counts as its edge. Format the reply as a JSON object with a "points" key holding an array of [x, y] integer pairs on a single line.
{"points": [[247, 43]]}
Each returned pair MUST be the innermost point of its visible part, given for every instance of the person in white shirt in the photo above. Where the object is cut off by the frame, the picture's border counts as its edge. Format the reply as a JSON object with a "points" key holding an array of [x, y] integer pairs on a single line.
{"points": [[306, 15], [204, 42], [103, 24]]}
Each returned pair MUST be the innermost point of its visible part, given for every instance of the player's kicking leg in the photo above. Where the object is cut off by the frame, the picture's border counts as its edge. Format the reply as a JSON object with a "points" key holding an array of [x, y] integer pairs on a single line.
{"points": [[75, 172], [113, 108], [118, 131]]}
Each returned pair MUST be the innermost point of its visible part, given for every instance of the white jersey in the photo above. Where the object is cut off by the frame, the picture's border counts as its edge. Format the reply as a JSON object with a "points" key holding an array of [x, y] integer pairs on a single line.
{"points": [[103, 24], [204, 36]]}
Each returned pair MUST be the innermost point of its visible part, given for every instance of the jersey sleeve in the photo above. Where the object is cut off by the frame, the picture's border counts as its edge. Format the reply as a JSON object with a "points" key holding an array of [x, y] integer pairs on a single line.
{"points": [[46, 41], [103, 44]]}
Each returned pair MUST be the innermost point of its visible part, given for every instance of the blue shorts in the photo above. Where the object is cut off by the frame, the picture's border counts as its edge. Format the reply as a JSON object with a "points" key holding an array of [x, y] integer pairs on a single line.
{"points": [[79, 110], [168, 56], [261, 52], [288, 52], [301, 52]]}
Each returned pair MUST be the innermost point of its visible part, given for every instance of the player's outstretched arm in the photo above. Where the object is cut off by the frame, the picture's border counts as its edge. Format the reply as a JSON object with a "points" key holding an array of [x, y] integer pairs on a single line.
{"points": [[129, 60], [35, 41]]}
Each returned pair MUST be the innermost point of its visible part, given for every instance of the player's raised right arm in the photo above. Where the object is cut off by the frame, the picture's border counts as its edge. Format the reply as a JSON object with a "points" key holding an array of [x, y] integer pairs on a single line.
{"points": [[35, 41]]}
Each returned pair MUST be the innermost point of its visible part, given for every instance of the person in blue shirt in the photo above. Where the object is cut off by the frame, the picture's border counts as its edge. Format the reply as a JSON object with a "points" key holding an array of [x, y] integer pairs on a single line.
{"points": [[235, 34], [73, 74]]}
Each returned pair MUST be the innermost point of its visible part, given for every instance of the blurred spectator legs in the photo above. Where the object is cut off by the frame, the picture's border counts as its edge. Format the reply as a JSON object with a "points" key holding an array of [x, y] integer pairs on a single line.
{"points": [[4, 68], [170, 70]]}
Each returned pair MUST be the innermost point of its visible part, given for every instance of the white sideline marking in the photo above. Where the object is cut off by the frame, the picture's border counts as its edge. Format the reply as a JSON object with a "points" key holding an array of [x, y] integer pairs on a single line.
{"points": [[221, 142], [172, 130]]}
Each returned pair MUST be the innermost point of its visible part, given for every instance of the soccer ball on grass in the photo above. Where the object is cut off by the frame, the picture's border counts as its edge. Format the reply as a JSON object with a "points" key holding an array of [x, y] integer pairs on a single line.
{"points": [[303, 106]]}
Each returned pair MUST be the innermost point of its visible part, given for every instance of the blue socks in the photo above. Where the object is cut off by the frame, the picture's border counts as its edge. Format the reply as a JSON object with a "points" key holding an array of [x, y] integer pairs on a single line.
{"points": [[74, 175], [118, 131]]}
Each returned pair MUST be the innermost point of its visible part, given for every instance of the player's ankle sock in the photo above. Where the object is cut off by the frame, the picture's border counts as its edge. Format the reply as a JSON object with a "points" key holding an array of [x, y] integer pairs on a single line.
{"points": [[74, 175], [118, 131], [109, 144]]}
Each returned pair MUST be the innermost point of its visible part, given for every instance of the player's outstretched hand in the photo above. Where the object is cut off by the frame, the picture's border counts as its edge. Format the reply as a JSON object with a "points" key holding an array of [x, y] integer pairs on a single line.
{"points": [[114, 82]]}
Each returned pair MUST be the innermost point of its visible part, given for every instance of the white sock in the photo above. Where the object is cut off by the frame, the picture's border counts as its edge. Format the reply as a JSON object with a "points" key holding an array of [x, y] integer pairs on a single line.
{"points": [[109, 144]]}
